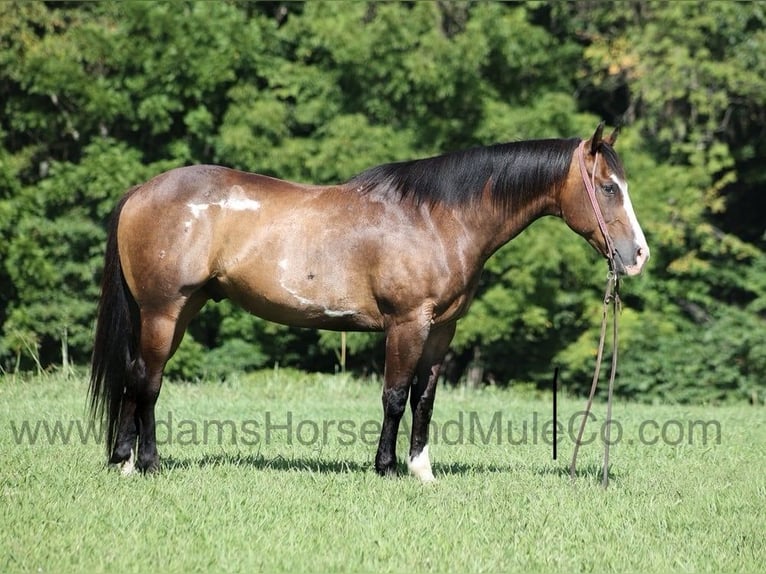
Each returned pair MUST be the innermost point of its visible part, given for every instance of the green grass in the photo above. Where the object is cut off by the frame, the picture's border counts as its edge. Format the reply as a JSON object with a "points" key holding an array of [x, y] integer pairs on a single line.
{"points": [[304, 505]]}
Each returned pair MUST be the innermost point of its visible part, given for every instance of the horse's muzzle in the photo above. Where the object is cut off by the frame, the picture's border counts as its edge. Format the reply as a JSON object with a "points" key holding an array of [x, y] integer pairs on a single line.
{"points": [[631, 258]]}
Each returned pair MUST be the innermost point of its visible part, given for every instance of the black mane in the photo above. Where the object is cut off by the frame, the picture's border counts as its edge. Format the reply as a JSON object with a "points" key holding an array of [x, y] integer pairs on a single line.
{"points": [[515, 172]]}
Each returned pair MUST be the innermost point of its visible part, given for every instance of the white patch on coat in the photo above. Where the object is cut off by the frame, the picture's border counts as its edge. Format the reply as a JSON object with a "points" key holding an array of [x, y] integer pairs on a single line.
{"points": [[230, 203], [298, 297], [242, 204], [197, 208], [283, 265], [334, 313]]}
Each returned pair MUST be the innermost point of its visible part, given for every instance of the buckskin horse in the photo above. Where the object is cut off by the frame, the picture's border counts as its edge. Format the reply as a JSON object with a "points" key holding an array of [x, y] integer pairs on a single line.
{"points": [[398, 248]]}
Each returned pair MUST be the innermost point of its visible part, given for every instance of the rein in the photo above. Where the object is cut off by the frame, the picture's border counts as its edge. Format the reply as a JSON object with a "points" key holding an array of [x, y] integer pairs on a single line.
{"points": [[611, 295]]}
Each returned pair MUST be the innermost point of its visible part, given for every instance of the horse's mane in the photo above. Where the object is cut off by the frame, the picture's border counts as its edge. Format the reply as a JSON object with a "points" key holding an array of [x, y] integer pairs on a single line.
{"points": [[515, 172]]}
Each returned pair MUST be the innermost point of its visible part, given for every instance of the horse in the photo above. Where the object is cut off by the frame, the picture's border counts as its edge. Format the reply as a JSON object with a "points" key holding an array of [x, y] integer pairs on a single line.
{"points": [[398, 248]]}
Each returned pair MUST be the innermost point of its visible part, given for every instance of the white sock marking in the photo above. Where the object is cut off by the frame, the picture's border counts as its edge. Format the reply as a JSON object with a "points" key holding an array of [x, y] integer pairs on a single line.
{"points": [[420, 466], [127, 467]]}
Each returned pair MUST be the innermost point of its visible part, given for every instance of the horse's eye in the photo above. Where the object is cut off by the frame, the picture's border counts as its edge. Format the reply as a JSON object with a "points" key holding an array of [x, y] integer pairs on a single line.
{"points": [[609, 188]]}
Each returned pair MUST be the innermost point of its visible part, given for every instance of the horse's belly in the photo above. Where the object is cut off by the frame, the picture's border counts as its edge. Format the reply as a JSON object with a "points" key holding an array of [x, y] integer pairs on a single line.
{"points": [[309, 299]]}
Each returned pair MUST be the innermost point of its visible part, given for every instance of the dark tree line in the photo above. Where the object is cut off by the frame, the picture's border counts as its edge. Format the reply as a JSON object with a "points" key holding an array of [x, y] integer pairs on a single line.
{"points": [[96, 97]]}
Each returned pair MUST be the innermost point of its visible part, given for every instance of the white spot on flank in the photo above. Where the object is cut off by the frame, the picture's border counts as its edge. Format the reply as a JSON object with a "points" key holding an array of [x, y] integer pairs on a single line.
{"points": [[298, 297], [420, 466], [187, 224], [283, 264]]}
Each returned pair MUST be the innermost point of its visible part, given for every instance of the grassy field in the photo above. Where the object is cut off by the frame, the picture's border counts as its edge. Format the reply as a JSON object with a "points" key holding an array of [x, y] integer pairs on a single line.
{"points": [[273, 472]]}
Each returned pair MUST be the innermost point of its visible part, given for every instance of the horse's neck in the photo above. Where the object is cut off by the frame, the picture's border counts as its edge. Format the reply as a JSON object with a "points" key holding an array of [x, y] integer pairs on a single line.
{"points": [[495, 226]]}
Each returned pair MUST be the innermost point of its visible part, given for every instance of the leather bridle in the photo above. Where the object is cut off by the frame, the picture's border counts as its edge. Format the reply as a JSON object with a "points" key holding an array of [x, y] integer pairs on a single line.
{"points": [[611, 295], [590, 187]]}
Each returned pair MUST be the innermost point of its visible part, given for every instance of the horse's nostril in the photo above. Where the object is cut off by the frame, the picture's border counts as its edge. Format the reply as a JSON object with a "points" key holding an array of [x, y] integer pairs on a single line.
{"points": [[642, 254]]}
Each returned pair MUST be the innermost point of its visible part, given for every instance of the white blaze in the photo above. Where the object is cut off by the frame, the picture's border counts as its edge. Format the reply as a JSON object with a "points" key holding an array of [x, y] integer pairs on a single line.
{"points": [[638, 233]]}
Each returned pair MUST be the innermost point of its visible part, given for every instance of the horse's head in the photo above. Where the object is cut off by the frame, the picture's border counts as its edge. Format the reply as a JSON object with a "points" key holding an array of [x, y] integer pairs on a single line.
{"points": [[604, 215]]}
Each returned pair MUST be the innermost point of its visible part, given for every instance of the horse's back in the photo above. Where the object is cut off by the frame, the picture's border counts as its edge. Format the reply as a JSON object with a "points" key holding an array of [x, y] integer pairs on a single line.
{"points": [[210, 183]]}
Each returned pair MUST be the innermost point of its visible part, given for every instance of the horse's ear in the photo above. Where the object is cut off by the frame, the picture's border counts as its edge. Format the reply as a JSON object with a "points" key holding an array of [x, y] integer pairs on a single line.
{"points": [[595, 141], [612, 138]]}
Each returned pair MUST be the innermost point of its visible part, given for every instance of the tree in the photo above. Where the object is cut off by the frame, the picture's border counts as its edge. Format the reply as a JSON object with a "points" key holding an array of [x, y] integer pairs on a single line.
{"points": [[97, 97]]}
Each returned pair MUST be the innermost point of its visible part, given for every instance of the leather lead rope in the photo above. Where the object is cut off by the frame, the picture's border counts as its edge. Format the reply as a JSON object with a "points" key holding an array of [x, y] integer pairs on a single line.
{"points": [[611, 295]]}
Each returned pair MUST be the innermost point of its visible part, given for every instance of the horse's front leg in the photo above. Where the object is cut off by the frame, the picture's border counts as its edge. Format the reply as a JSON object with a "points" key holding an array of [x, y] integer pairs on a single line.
{"points": [[404, 346], [422, 399]]}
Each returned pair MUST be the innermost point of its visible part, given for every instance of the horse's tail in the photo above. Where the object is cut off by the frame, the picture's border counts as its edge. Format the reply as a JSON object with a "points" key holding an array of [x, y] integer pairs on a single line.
{"points": [[117, 333]]}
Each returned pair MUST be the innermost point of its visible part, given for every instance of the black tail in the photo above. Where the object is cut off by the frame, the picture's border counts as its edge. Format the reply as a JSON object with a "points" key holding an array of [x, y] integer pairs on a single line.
{"points": [[117, 333]]}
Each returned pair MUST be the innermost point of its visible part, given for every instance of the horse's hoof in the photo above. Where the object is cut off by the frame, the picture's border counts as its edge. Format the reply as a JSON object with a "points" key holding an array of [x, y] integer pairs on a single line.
{"points": [[149, 466], [386, 470], [125, 466]]}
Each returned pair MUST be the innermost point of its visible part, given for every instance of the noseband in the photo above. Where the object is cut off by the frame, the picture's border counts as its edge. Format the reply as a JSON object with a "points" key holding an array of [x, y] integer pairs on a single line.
{"points": [[611, 295]]}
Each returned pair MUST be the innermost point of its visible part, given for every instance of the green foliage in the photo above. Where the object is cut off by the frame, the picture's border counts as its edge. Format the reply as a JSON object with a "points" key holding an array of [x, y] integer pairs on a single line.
{"points": [[724, 360], [97, 97]]}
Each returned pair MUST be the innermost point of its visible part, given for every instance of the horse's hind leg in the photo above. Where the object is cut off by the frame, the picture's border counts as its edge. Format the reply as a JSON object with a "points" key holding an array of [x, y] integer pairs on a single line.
{"points": [[137, 408], [161, 333], [123, 453], [157, 331]]}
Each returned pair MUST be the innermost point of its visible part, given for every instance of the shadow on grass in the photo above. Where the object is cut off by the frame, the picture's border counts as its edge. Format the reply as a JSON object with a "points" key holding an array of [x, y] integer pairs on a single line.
{"points": [[592, 472], [319, 465], [260, 462]]}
